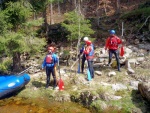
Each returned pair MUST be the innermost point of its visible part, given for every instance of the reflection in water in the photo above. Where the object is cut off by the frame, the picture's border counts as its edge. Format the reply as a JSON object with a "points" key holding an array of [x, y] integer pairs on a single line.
{"points": [[39, 105]]}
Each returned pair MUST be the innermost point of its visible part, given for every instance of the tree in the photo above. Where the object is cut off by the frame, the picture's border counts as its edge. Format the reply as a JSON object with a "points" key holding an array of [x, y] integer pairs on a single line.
{"points": [[118, 6], [3, 23], [20, 36], [76, 26], [71, 24]]}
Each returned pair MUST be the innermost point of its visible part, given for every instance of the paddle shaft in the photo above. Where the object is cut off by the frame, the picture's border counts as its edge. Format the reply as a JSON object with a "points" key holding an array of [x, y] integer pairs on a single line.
{"points": [[24, 70], [59, 67]]}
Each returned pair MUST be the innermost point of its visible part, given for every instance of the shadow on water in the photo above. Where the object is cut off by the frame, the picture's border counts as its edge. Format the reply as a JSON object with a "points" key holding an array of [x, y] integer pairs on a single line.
{"points": [[143, 106]]}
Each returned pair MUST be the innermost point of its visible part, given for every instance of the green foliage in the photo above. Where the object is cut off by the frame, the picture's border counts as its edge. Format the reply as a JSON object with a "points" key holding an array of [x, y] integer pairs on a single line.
{"points": [[28, 27], [35, 45], [17, 13], [136, 14], [2, 45], [54, 1], [5, 64], [17, 42], [3, 23], [24, 40], [125, 103], [97, 105], [136, 19], [21, 38], [146, 4], [14, 43], [75, 23], [102, 90], [38, 5]]}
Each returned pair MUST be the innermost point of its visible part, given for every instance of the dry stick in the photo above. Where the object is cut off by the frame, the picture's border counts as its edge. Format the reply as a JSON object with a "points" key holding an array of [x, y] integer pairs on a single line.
{"points": [[144, 22], [74, 64]]}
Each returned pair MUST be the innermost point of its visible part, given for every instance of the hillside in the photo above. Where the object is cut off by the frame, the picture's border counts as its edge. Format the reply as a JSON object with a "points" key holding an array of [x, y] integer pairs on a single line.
{"points": [[104, 15]]}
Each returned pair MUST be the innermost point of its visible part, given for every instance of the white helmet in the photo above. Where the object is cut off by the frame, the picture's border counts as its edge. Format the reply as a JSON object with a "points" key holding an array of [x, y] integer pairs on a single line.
{"points": [[86, 39]]}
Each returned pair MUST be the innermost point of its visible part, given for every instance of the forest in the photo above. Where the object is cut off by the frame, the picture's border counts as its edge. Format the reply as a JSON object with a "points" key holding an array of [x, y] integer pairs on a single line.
{"points": [[29, 27], [25, 23]]}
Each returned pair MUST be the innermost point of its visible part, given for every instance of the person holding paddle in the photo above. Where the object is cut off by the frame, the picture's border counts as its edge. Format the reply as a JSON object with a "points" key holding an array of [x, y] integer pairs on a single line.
{"points": [[111, 45], [89, 54], [83, 55], [50, 62]]}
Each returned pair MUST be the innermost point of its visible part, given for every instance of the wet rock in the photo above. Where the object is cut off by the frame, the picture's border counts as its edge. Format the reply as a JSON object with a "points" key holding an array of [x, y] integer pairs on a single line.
{"points": [[98, 73], [117, 87], [111, 73], [134, 84], [130, 71]]}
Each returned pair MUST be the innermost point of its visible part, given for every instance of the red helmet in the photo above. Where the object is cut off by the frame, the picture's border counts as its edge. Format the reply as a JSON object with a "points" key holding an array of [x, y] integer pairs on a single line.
{"points": [[51, 48], [88, 42]]}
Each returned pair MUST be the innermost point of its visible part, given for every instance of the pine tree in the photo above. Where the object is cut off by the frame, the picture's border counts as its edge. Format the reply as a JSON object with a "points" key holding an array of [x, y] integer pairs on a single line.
{"points": [[20, 36]]}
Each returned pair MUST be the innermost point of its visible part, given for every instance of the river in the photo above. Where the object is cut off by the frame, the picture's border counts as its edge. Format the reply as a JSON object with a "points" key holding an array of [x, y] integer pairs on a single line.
{"points": [[39, 105]]}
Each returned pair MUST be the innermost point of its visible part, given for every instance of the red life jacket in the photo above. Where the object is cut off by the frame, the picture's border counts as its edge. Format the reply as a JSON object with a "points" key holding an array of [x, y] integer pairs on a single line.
{"points": [[89, 52], [49, 59]]}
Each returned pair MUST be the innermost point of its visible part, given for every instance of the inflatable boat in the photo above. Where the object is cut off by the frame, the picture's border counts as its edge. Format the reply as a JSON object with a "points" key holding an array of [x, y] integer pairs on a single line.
{"points": [[11, 83]]}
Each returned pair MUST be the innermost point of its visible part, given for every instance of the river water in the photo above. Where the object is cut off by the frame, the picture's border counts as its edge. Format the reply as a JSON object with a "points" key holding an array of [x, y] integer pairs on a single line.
{"points": [[39, 105]]}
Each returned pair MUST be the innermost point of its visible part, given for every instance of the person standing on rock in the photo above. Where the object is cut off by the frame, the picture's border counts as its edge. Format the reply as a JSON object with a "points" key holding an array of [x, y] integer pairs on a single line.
{"points": [[111, 45], [50, 62], [89, 54]]}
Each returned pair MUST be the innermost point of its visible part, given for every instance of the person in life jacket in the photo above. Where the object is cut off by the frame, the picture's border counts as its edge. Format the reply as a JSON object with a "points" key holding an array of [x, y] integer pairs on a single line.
{"points": [[83, 55], [89, 53], [112, 43], [50, 62]]}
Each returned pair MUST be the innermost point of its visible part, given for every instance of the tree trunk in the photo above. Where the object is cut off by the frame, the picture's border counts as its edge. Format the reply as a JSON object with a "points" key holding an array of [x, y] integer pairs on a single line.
{"points": [[51, 14], [45, 25], [105, 7], [58, 7], [118, 6], [16, 62]]}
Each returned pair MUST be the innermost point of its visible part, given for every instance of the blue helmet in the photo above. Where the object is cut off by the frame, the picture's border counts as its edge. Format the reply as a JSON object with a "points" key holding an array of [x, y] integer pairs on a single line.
{"points": [[112, 32]]}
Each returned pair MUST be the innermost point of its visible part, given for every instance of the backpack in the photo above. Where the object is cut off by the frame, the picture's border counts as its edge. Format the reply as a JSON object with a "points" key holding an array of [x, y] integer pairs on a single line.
{"points": [[49, 59], [113, 41]]}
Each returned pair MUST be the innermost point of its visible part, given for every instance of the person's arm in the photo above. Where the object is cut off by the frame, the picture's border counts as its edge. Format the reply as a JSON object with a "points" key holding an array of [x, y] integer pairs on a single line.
{"points": [[119, 40], [55, 60], [82, 49], [44, 63]]}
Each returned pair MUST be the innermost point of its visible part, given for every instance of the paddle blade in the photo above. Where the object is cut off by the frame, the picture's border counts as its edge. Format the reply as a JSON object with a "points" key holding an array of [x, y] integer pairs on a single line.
{"points": [[79, 68], [88, 75], [61, 85], [122, 51]]}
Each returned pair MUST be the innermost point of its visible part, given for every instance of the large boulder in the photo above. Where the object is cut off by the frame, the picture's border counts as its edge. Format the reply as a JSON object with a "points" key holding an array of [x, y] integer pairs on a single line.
{"points": [[144, 89]]}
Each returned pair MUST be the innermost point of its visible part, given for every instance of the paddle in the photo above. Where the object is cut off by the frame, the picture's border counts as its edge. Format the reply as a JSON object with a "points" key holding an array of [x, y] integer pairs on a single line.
{"points": [[24, 70], [79, 64], [122, 51], [55, 71], [88, 73], [60, 82]]}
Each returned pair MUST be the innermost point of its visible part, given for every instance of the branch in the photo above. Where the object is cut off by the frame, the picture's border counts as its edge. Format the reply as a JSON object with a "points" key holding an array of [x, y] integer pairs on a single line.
{"points": [[144, 23]]}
